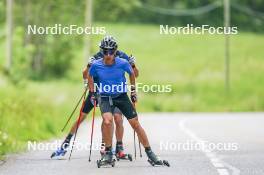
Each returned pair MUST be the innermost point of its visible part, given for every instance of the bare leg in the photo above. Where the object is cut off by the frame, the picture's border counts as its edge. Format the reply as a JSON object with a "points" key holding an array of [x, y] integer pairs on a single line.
{"points": [[102, 125], [107, 128], [140, 131], [119, 132]]}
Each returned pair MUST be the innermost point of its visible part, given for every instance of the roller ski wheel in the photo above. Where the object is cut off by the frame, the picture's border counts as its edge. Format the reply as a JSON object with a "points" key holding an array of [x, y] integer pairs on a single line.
{"points": [[159, 163], [113, 164], [166, 163], [151, 162], [59, 153], [130, 157], [98, 162]]}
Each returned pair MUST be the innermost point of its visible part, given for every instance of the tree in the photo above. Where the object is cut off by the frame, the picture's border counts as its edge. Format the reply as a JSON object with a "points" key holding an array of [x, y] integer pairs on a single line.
{"points": [[9, 34], [88, 23]]}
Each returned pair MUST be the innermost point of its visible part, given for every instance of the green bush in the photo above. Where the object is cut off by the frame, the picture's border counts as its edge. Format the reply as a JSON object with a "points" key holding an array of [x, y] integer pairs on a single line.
{"points": [[24, 116]]}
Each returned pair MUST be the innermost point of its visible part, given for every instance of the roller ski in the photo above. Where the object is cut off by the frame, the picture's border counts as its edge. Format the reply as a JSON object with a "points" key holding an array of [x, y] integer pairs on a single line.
{"points": [[120, 153], [59, 153], [154, 160], [63, 149], [107, 159]]}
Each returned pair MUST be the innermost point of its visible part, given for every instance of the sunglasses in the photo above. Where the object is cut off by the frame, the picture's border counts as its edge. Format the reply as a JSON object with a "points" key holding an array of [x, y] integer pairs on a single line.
{"points": [[108, 51]]}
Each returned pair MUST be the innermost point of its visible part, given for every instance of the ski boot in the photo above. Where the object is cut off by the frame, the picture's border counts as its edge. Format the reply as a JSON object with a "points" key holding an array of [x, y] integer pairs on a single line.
{"points": [[119, 152], [107, 159], [59, 153], [102, 152], [62, 150], [154, 160]]}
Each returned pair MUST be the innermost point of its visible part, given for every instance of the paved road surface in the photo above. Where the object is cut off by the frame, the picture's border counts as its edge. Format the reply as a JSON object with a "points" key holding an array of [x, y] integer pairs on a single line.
{"points": [[170, 134]]}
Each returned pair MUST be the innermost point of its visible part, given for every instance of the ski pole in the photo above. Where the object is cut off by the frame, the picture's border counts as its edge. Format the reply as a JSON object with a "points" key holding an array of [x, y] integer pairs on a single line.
{"points": [[135, 147], [139, 144], [92, 131], [74, 110], [78, 123]]}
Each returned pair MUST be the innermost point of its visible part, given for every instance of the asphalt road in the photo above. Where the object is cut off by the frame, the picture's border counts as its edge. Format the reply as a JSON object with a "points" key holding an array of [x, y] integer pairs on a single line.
{"points": [[171, 136]]}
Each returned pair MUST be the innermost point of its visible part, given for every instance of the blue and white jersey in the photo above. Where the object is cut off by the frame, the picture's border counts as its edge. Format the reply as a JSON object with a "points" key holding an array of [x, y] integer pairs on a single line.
{"points": [[111, 78]]}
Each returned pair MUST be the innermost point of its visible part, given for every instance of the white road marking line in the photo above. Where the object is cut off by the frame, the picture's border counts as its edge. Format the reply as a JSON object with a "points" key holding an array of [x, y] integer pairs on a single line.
{"points": [[221, 166]]}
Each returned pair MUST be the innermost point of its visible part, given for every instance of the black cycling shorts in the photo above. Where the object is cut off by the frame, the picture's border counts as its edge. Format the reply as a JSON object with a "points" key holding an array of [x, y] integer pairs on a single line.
{"points": [[88, 106], [122, 102]]}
